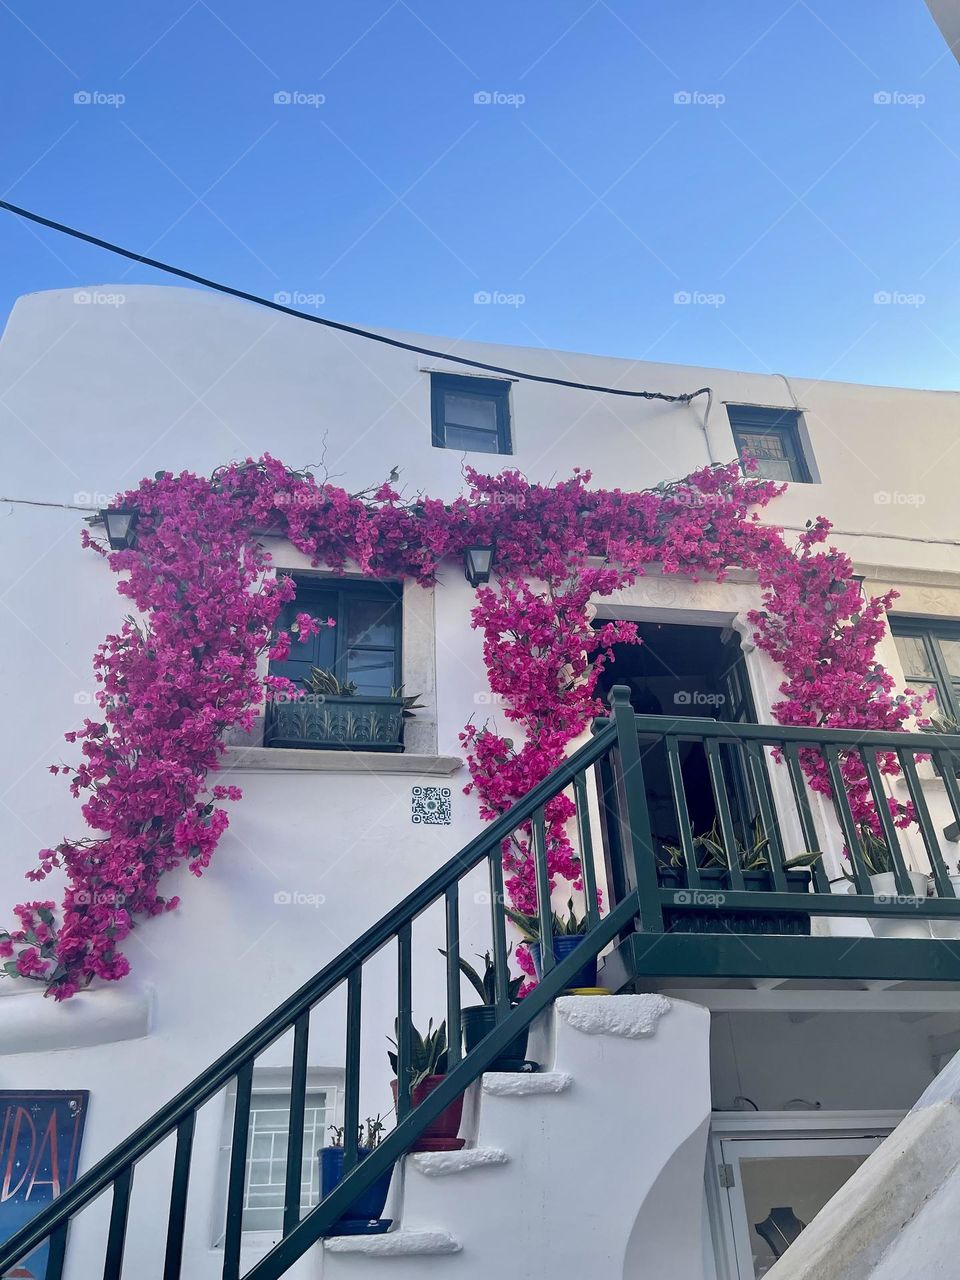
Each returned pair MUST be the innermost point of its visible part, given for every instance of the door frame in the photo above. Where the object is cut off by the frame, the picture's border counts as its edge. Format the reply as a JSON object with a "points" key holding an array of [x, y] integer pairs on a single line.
{"points": [[815, 1127]]}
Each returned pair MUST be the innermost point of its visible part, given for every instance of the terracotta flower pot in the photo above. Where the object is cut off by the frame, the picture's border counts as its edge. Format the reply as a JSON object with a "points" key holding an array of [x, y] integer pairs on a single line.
{"points": [[441, 1133]]}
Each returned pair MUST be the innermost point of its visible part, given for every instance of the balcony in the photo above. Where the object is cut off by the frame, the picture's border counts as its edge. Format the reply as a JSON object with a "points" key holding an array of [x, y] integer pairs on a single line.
{"points": [[743, 871]]}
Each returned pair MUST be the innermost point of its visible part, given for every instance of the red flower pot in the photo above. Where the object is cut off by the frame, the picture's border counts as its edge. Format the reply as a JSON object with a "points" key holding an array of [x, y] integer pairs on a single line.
{"points": [[441, 1133]]}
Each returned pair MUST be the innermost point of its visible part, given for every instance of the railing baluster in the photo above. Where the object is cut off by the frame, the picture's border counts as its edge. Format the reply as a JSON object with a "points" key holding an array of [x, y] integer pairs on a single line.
{"points": [[404, 1018], [757, 764], [57, 1253], [810, 838], [680, 808], [947, 762], [587, 866], [634, 812], [236, 1178], [117, 1231], [176, 1220], [298, 1103], [901, 878], [722, 801], [499, 924], [861, 876], [454, 1035], [351, 1073], [941, 877], [544, 908]]}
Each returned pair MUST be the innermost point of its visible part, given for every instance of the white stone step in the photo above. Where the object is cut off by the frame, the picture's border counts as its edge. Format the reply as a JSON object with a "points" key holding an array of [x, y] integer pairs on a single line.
{"points": [[436, 1164], [395, 1244], [519, 1084]]}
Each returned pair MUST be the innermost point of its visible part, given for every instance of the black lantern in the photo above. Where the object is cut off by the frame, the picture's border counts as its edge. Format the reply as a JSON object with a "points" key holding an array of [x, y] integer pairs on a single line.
{"points": [[121, 526], [477, 564]]}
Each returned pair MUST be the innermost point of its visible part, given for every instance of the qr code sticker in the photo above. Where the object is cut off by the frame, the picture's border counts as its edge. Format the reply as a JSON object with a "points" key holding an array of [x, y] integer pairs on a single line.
{"points": [[431, 805]]}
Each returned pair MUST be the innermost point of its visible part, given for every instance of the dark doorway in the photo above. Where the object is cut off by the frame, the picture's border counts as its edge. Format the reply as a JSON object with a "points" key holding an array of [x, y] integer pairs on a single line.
{"points": [[677, 672]]}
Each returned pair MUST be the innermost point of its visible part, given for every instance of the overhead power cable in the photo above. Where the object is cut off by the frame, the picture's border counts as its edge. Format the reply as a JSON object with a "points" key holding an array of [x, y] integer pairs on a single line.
{"points": [[683, 398]]}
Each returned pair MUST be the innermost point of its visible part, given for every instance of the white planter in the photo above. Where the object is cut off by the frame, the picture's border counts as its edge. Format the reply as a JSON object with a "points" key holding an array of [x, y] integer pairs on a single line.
{"points": [[885, 886], [949, 930]]}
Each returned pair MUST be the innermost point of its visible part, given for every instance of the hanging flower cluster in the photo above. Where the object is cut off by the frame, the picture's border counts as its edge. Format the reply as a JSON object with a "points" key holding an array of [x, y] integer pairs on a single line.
{"points": [[183, 671]]}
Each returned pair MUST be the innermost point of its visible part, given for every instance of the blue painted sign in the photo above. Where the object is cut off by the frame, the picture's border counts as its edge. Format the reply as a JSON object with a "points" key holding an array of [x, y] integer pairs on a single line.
{"points": [[40, 1133]]}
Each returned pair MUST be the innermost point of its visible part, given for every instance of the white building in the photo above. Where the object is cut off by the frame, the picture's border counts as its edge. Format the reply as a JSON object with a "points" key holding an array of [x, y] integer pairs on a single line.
{"points": [[776, 1083]]}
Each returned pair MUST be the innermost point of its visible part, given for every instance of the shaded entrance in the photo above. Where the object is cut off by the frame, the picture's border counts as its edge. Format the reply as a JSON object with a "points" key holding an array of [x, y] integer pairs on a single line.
{"points": [[680, 671]]}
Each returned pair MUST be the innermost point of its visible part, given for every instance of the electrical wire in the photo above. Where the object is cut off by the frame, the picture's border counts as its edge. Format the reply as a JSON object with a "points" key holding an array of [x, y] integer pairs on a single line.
{"points": [[683, 398]]}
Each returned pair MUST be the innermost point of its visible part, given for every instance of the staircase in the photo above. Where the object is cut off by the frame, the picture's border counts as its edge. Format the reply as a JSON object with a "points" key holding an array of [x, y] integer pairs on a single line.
{"points": [[176, 1123]]}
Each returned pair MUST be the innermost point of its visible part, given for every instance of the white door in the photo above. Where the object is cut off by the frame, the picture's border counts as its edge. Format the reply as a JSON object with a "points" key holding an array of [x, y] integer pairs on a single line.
{"points": [[775, 1186]]}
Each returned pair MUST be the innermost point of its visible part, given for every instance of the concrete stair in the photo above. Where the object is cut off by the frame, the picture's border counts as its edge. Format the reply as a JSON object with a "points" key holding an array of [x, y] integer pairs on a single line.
{"points": [[561, 1162]]}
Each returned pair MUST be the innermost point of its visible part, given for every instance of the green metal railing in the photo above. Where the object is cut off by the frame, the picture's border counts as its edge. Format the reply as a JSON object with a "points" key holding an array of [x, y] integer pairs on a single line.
{"points": [[740, 765], [115, 1173], [618, 754]]}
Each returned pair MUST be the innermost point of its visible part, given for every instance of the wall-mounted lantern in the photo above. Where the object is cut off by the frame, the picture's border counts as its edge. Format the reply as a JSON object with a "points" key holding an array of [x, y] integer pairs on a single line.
{"points": [[121, 527], [477, 565]]}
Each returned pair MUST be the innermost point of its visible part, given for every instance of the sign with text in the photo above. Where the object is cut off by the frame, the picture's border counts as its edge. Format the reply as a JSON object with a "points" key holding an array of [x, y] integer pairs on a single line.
{"points": [[40, 1133]]}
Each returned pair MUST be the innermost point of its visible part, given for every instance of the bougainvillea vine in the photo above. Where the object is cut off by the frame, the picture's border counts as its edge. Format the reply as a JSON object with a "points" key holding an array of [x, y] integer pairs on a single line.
{"points": [[187, 667]]}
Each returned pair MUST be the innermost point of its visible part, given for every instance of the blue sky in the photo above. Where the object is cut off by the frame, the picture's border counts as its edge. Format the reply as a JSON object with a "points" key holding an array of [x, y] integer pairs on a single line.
{"points": [[776, 192]]}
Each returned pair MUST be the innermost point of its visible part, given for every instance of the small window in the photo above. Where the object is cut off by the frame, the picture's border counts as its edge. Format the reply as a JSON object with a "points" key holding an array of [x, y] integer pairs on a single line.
{"points": [[772, 438], [930, 656], [470, 414], [266, 1165], [364, 646]]}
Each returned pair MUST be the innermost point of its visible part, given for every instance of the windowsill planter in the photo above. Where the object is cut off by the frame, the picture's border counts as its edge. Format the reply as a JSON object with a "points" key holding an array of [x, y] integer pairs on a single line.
{"points": [[329, 723], [713, 919]]}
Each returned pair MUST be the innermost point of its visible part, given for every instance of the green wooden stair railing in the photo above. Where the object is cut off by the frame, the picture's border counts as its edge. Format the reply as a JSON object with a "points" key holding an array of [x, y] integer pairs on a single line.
{"points": [[115, 1172]]}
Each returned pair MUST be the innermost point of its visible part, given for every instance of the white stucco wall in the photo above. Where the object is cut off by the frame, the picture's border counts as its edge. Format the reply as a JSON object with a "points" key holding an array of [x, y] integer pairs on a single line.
{"points": [[94, 396]]}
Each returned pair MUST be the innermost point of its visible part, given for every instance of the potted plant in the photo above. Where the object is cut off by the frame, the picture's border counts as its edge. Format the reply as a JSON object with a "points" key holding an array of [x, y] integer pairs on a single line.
{"points": [[428, 1066], [332, 714], [568, 932], [478, 1020], [364, 1217], [754, 862], [883, 881]]}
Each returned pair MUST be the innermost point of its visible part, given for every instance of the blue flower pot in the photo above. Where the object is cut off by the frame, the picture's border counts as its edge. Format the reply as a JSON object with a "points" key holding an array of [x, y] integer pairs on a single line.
{"points": [[585, 977], [366, 1212]]}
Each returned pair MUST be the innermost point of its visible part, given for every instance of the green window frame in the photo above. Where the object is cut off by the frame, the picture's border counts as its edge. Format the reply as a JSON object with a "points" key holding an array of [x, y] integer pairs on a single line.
{"points": [[363, 647], [772, 438], [929, 650], [471, 415]]}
